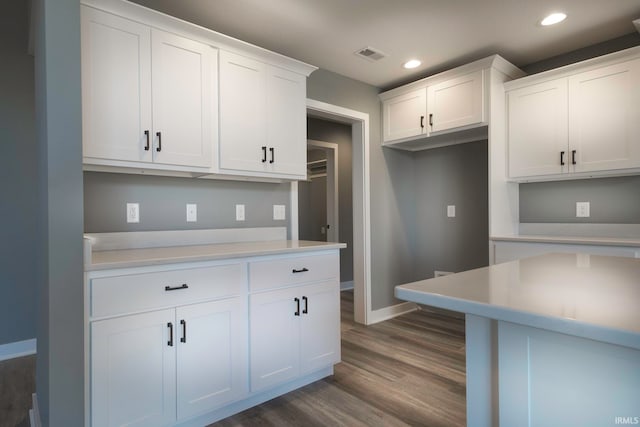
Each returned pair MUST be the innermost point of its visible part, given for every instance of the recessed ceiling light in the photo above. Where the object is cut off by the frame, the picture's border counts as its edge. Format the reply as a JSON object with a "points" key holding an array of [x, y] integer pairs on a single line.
{"points": [[554, 18], [413, 63]]}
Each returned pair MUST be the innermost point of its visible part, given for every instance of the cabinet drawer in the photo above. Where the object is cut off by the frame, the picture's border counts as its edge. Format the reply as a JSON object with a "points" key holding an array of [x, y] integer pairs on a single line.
{"points": [[286, 271], [136, 292]]}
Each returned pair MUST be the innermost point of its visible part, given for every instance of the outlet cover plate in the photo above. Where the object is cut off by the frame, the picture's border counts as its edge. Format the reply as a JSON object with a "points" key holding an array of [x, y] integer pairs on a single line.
{"points": [[583, 209], [192, 212], [451, 211], [239, 212], [279, 212], [133, 212]]}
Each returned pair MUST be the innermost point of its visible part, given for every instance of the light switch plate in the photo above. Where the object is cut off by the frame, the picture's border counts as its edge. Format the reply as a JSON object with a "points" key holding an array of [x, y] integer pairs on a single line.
{"points": [[192, 212], [133, 212], [583, 210], [239, 212], [279, 212], [451, 211]]}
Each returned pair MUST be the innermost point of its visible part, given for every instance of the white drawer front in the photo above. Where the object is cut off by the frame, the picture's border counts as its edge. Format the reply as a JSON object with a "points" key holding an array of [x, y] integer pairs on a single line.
{"points": [[286, 271], [137, 292]]}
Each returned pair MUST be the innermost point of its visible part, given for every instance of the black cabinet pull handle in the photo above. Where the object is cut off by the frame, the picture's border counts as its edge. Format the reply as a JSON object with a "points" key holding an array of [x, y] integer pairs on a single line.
{"points": [[170, 342], [184, 330], [562, 158], [272, 151], [306, 305], [573, 157], [176, 288], [159, 135], [303, 270], [146, 147], [422, 122], [264, 154], [297, 313], [431, 120]]}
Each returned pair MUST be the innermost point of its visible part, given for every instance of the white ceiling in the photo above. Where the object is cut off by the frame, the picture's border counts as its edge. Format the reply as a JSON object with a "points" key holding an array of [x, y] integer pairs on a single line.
{"points": [[442, 33]]}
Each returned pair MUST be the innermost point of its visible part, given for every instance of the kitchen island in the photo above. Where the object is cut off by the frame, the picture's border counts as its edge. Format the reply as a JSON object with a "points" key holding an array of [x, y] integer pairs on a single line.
{"points": [[551, 340]]}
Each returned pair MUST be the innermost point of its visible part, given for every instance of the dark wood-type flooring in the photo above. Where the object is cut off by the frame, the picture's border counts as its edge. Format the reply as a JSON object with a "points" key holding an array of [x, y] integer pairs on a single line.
{"points": [[405, 371], [17, 383]]}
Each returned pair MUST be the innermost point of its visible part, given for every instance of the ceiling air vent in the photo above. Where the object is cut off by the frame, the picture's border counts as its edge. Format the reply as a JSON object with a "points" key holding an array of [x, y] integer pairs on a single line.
{"points": [[370, 53]]}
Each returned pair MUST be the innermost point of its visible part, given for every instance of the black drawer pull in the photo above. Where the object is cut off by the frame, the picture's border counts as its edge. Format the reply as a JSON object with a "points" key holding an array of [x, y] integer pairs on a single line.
{"points": [[297, 313], [306, 305], [176, 288], [159, 147], [272, 151], [422, 122], [264, 154], [170, 342], [573, 157], [146, 147], [304, 270], [184, 330], [562, 158]]}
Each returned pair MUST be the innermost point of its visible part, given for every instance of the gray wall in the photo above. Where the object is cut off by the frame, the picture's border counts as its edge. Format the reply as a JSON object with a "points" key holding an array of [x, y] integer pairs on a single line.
{"points": [[60, 360], [613, 200], [18, 169], [390, 247], [454, 175], [163, 202], [338, 133]]}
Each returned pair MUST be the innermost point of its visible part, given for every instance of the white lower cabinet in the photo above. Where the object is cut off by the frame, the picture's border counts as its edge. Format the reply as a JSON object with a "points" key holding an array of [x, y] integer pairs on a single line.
{"points": [[293, 331], [143, 364], [172, 347]]}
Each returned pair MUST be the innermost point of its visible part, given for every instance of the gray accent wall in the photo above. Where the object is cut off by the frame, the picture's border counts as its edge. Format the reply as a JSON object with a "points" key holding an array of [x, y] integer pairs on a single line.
{"points": [[391, 254], [19, 172], [612, 200], [454, 175], [338, 133], [60, 324], [163, 202]]}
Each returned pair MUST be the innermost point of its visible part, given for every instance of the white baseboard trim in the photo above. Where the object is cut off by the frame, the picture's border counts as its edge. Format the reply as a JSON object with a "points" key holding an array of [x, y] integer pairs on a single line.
{"points": [[34, 414], [17, 349], [345, 286], [390, 312]]}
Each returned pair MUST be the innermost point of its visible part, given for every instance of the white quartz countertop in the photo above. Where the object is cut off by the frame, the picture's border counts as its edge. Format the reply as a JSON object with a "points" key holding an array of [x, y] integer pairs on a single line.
{"points": [[590, 296], [577, 240], [126, 258]]}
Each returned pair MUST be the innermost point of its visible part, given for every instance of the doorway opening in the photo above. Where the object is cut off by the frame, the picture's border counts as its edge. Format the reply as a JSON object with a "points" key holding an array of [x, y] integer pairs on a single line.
{"points": [[361, 218]]}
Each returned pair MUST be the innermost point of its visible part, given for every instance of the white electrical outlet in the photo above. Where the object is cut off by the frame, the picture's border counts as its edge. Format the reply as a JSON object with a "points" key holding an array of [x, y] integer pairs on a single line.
{"points": [[239, 212], [583, 209], [279, 212], [133, 212], [451, 211], [192, 212]]}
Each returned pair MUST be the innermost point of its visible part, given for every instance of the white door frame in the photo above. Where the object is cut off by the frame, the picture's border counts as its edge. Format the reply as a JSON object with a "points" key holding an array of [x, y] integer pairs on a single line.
{"points": [[361, 202], [333, 219]]}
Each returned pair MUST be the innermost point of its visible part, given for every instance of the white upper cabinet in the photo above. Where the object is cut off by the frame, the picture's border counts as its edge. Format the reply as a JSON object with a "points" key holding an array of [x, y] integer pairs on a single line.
{"points": [[577, 124], [116, 87], [456, 103], [161, 94], [537, 129], [182, 97], [146, 93], [262, 118], [604, 117], [243, 113], [405, 115]]}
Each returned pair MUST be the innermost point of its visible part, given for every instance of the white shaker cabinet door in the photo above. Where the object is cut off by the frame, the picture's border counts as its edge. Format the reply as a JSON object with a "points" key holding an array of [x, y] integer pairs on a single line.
{"points": [[320, 330], [604, 118], [537, 129], [133, 370], [182, 97], [243, 124], [274, 337], [212, 355], [405, 115], [457, 102], [116, 87], [286, 122]]}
